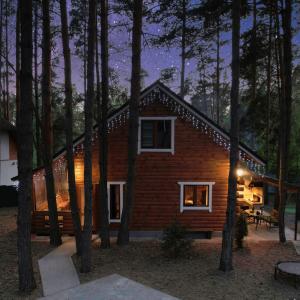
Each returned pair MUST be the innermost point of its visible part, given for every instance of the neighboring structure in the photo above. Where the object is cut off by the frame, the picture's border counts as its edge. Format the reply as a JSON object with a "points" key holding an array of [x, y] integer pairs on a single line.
{"points": [[8, 153], [182, 169]]}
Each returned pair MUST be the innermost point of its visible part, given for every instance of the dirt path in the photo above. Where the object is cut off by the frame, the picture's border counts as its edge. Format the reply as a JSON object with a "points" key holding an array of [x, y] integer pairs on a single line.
{"points": [[198, 277]]}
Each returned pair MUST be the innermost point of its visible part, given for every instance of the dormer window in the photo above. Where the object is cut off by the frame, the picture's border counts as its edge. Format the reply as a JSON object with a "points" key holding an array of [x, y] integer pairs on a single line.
{"points": [[156, 134]]}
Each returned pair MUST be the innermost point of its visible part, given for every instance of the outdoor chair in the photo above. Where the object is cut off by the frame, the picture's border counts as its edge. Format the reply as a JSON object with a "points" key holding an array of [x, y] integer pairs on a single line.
{"points": [[289, 269], [272, 220]]}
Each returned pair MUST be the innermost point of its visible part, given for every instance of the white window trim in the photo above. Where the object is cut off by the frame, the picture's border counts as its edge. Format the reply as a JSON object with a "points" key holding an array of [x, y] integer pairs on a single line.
{"points": [[121, 184], [183, 183], [172, 149]]}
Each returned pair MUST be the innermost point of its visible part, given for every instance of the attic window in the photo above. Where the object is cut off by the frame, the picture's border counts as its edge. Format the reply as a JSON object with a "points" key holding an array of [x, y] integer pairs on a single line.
{"points": [[156, 134]]}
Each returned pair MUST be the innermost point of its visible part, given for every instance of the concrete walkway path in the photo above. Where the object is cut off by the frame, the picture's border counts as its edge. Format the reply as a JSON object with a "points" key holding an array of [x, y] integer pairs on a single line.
{"points": [[57, 270], [60, 281], [111, 287]]}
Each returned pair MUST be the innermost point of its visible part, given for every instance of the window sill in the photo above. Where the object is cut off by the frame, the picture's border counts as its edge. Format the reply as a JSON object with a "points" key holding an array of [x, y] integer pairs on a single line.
{"points": [[155, 150], [114, 221], [195, 208]]}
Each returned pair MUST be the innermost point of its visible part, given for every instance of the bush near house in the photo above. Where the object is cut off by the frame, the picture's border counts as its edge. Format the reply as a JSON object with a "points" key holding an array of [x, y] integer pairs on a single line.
{"points": [[175, 244], [8, 196]]}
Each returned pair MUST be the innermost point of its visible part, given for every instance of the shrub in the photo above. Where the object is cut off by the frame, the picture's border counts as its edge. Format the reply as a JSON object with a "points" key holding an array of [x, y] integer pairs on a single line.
{"points": [[241, 229], [175, 243]]}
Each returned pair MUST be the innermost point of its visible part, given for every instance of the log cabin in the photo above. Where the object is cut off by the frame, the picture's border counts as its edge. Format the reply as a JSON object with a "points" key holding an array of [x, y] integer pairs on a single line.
{"points": [[182, 170]]}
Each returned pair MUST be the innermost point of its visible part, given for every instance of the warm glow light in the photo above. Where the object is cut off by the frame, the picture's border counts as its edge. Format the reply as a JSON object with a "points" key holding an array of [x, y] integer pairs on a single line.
{"points": [[240, 172]]}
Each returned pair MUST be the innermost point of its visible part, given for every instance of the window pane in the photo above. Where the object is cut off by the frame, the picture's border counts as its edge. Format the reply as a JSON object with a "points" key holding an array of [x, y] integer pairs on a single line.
{"points": [[188, 195], [202, 195], [114, 197], [163, 134], [147, 139], [196, 195], [41, 203]]}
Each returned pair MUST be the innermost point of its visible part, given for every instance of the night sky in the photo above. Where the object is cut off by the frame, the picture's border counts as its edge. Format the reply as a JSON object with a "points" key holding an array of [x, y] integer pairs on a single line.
{"points": [[155, 59]]}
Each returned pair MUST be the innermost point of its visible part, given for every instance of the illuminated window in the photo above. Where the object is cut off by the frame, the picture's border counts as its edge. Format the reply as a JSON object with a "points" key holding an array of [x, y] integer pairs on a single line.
{"points": [[156, 134], [115, 200], [196, 196]]}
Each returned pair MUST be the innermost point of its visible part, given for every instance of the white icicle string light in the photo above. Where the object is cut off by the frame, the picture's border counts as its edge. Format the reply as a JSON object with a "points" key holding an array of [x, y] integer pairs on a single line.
{"points": [[157, 95]]}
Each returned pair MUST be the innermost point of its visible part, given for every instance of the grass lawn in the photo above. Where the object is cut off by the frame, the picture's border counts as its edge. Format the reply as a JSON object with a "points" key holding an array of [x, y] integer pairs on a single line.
{"points": [[8, 257], [198, 277]]}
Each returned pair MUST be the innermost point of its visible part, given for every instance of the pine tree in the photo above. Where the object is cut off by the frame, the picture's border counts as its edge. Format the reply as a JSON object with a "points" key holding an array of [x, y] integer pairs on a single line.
{"points": [[24, 144], [69, 125], [47, 134], [103, 129], [173, 16], [88, 113], [228, 231], [123, 235], [285, 113]]}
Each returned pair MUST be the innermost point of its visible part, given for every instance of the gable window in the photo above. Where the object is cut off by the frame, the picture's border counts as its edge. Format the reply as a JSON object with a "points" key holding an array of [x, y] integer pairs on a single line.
{"points": [[115, 190], [196, 196], [156, 134]]}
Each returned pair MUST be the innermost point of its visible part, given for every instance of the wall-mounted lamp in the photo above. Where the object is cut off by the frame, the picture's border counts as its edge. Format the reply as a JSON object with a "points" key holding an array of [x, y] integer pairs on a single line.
{"points": [[240, 172]]}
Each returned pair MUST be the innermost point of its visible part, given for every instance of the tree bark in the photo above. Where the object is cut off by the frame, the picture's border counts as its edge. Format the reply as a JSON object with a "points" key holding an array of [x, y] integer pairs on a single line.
{"points": [[55, 235], [183, 46], [36, 85], [228, 232], [69, 125], [25, 147], [104, 228], [1, 31], [6, 64], [285, 113], [17, 60], [88, 113], [123, 235], [254, 52], [266, 190], [218, 72], [84, 53]]}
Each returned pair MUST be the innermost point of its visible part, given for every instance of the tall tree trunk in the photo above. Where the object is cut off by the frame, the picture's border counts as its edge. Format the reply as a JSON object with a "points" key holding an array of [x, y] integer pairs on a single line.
{"points": [[24, 143], [228, 232], [218, 72], [183, 46], [254, 52], [69, 125], [84, 52], [17, 60], [285, 113], [88, 112], [1, 47], [36, 84], [104, 232], [266, 192], [55, 235], [123, 235], [6, 63]]}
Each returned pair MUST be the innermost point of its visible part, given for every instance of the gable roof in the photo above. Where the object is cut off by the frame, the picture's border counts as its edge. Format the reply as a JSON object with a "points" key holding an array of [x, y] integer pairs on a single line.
{"points": [[159, 92]]}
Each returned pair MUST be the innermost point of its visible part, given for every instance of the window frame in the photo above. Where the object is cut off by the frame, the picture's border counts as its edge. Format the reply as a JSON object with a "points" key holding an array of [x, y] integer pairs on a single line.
{"points": [[182, 184], [121, 184], [163, 118]]}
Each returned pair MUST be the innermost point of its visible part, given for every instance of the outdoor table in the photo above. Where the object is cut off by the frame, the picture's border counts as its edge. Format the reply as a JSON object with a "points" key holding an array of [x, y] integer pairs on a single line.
{"points": [[288, 268]]}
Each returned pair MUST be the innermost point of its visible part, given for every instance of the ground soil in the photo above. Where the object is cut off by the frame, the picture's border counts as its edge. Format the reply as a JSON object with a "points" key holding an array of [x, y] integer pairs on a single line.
{"points": [[198, 277], [8, 257]]}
